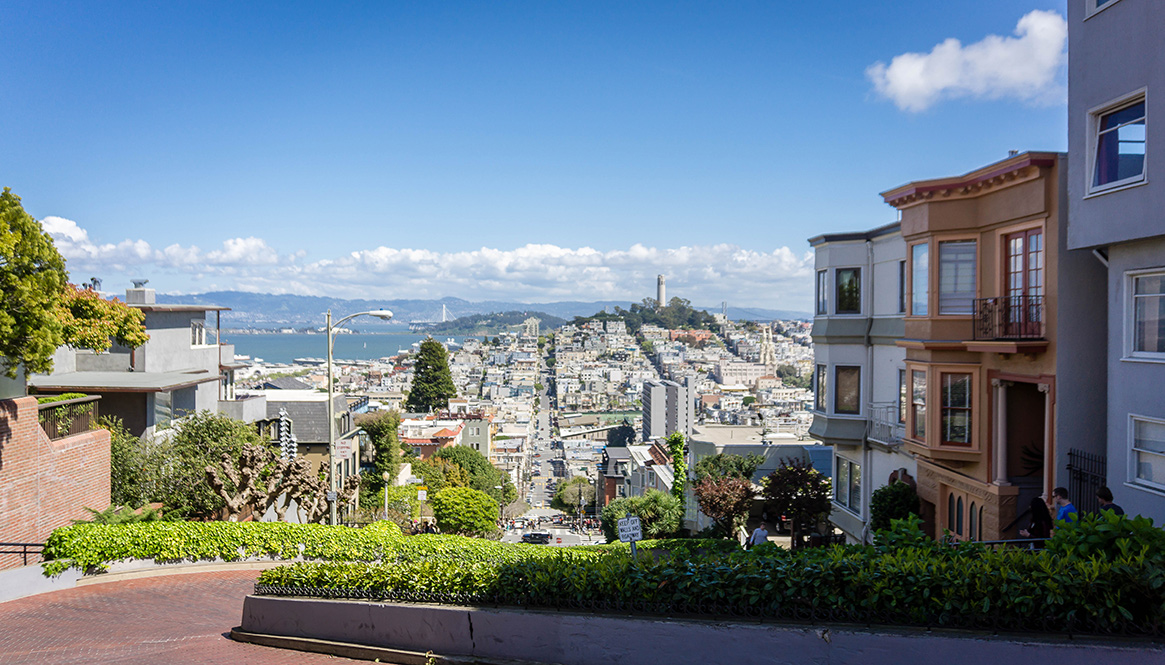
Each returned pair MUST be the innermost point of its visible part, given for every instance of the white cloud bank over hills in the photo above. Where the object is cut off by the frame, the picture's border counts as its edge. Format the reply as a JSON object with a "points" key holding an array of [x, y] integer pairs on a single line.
{"points": [[704, 274], [1026, 67]]}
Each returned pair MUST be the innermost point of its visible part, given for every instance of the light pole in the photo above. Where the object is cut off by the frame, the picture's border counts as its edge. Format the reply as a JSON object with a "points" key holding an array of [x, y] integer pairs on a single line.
{"points": [[333, 484]]}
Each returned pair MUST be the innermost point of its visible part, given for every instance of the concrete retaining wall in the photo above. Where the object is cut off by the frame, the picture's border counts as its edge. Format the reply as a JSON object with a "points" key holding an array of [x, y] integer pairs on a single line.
{"points": [[584, 639]]}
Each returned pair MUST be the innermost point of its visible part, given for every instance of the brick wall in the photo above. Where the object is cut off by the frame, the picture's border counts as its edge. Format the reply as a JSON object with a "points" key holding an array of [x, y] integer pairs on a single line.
{"points": [[45, 484]]}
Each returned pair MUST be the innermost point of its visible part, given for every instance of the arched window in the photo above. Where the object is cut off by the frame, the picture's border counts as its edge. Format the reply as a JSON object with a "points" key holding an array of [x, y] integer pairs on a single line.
{"points": [[973, 518], [951, 512], [980, 522], [959, 517]]}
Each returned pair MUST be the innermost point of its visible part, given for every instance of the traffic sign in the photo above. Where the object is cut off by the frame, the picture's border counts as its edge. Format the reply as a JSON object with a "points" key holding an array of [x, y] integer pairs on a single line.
{"points": [[630, 529], [422, 495], [345, 447]]}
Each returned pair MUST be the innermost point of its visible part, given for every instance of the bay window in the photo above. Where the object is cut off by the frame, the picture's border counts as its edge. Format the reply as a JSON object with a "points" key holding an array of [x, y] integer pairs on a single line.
{"points": [[849, 291], [956, 277], [918, 404], [919, 278], [821, 385], [822, 293], [848, 390], [956, 408]]}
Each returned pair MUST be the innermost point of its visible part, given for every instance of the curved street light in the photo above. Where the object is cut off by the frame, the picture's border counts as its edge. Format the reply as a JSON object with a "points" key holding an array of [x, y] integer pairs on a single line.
{"points": [[333, 484]]}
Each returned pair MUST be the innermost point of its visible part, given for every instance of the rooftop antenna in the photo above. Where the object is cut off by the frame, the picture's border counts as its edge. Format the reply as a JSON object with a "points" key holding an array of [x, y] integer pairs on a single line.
{"points": [[140, 283]]}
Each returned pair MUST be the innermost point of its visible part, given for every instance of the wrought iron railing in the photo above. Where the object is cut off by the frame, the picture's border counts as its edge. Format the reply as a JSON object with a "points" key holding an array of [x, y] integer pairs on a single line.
{"points": [[25, 550], [68, 417], [883, 426], [1009, 317]]}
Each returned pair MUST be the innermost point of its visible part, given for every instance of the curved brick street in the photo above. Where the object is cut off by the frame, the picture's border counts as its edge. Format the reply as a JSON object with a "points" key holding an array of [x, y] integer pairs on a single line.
{"points": [[174, 619]]}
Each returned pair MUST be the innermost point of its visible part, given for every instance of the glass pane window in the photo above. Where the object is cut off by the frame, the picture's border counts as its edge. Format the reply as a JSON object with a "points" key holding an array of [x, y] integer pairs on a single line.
{"points": [[1149, 449], [901, 287], [902, 399], [849, 291], [1149, 314], [918, 403], [919, 278], [822, 387], [822, 292], [956, 408], [841, 487], [849, 390], [855, 487], [956, 277], [1120, 146]]}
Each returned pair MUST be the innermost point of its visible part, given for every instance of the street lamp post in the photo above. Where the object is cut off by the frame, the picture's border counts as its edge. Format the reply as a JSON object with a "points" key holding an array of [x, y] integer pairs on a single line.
{"points": [[333, 481]]}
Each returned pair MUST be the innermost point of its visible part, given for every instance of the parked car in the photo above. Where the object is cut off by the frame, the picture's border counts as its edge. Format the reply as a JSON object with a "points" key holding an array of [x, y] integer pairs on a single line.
{"points": [[536, 538]]}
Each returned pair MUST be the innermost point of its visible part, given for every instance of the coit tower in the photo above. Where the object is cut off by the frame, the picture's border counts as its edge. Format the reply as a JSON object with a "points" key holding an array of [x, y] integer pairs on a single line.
{"points": [[660, 291]]}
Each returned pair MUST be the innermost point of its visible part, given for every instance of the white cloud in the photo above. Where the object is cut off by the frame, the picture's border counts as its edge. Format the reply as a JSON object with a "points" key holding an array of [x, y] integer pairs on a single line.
{"points": [[1026, 67], [531, 273]]}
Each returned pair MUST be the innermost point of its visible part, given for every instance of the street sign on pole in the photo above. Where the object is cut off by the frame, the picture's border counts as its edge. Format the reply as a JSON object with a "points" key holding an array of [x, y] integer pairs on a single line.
{"points": [[345, 447], [422, 494], [629, 532]]}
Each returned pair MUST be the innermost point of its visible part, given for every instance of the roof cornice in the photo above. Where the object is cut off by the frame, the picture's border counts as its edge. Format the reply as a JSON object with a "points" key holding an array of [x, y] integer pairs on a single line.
{"points": [[1009, 171]]}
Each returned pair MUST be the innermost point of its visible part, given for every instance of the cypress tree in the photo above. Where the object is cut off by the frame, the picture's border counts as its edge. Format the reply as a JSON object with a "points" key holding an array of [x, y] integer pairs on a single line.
{"points": [[432, 382]]}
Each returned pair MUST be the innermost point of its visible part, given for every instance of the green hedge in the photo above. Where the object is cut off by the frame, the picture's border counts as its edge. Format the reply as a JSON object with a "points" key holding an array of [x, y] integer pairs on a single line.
{"points": [[92, 547], [1010, 590]]}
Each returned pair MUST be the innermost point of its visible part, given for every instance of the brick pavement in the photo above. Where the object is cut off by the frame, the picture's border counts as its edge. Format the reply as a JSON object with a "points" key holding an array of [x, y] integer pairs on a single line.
{"points": [[175, 619]]}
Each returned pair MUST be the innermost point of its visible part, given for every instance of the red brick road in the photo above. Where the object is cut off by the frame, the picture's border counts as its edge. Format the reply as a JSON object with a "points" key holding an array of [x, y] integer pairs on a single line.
{"points": [[175, 619]]}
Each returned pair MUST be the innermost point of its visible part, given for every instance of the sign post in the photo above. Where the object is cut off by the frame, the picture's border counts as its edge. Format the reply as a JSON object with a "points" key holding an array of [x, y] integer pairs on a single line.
{"points": [[630, 531]]}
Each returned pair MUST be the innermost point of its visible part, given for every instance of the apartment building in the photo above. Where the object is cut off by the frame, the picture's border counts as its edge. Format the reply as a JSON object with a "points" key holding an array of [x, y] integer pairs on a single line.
{"points": [[668, 407], [1113, 307], [983, 254], [183, 368], [859, 405]]}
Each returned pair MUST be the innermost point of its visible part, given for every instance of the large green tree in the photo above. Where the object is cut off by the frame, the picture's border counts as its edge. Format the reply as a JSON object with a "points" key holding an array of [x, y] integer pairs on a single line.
{"points": [[566, 497], [727, 465], [799, 492], [483, 476], [432, 382], [465, 511], [41, 311], [32, 281]]}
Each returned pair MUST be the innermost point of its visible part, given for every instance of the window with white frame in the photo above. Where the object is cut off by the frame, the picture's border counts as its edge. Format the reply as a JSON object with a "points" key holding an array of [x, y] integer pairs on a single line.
{"points": [[1117, 144], [197, 333], [956, 277], [847, 491], [821, 384], [1148, 452], [1148, 310], [919, 278], [822, 292]]}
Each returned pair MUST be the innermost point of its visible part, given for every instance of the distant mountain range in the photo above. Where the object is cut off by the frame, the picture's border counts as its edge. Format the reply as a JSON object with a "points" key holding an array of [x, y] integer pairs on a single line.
{"points": [[265, 310]]}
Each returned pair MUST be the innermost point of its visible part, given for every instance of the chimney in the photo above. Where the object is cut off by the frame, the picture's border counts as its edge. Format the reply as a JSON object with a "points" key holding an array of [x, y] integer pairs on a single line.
{"points": [[139, 294]]}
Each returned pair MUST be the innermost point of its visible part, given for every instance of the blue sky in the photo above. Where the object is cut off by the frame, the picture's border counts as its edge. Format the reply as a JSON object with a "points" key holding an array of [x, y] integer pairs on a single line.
{"points": [[529, 151]]}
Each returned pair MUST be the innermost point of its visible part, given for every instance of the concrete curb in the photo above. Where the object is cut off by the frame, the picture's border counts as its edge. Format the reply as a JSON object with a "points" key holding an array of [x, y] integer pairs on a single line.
{"points": [[494, 635], [360, 651]]}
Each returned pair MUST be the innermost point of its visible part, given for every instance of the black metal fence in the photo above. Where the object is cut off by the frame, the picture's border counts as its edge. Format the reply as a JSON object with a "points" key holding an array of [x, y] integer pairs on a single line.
{"points": [[68, 417], [1010, 317], [24, 550], [1086, 474]]}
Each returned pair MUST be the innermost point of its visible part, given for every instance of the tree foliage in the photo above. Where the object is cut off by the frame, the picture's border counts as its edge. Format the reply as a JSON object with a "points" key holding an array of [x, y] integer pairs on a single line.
{"points": [[677, 314], [676, 447], [623, 435], [726, 465], [566, 497], [440, 473], [726, 499], [432, 385], [381, 427], [465, 511], [659, 514], [799, 492], [483, 476], [895, 501], [91, 322], [32, 281]]}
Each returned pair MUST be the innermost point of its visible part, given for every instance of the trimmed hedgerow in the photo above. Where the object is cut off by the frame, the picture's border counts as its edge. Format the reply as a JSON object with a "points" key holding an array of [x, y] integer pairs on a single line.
{"points": [[92, 547], [1102, 577]]}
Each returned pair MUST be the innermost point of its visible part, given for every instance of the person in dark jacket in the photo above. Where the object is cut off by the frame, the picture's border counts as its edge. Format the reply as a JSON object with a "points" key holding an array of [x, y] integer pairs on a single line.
{"points": [[1041, 520], [1104, 495]]}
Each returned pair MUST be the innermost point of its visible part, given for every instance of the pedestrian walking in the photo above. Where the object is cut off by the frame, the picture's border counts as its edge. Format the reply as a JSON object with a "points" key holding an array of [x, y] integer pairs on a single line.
{"points": [[1104, 496]]}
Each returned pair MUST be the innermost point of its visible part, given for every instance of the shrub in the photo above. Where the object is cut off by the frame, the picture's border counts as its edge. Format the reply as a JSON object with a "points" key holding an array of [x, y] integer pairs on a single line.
{"points": [[659, 514], [465, 511], [892, 502], [726, 500], [1109, 536]]}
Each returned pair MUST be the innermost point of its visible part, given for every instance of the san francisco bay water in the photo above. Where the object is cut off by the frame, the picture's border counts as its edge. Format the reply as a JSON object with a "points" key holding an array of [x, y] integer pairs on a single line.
{"points": [[285, 348]]}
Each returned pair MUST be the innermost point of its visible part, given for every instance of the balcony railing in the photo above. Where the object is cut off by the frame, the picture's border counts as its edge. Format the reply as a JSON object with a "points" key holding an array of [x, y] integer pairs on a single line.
{"points": [[883, 426], [1009, 317], [68, 417]]}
